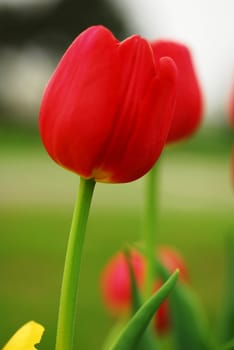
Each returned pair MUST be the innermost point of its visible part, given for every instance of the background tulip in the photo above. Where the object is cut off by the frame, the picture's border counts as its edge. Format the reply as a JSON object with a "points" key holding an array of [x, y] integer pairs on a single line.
{"points": [[107, 108], [116, 287], [115, 281], [188, 110]]}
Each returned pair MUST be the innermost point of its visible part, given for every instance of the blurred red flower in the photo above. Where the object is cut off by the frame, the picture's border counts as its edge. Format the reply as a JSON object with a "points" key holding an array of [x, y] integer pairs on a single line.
{"points": [[115, 282], [116, 288], [107, 109], [189, 101]]}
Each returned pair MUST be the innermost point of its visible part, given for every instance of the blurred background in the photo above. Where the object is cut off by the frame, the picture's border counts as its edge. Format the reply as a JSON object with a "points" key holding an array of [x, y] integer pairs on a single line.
{"points": [[37, 197]]}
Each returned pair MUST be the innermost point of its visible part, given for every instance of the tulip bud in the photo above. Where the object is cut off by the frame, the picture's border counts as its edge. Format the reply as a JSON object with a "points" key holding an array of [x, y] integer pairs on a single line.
{"points": [[107, 109], [115, 281], [188, 110], [116, 286]]}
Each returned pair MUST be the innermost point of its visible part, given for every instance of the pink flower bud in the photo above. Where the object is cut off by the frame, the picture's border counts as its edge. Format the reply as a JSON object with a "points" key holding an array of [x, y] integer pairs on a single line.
{"points": [[115, 281]]}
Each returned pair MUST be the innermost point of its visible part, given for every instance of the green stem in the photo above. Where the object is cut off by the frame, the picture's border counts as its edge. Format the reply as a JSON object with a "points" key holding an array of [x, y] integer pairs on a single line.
{"points": [[68, 298], [150, 219]]}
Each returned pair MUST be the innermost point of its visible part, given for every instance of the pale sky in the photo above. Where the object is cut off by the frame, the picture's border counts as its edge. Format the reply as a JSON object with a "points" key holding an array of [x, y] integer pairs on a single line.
{"points": [[206, 26]]}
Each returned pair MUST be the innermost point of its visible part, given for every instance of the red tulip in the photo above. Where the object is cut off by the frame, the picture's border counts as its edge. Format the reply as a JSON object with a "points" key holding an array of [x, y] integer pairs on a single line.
{"points": [[116, 286], [115, 281], [188, 111], [107, 108]]}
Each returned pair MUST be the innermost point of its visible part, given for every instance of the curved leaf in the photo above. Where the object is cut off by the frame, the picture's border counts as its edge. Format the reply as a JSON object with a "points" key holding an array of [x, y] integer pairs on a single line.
{"points": [[136, 327]]}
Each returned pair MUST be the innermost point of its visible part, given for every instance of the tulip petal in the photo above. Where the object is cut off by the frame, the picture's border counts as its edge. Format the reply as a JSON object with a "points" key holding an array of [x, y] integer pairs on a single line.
{"points": [[137, 139], [26, 337], [151, 126], [115, 284], [136, 71], [80, 100], [188, 110]]}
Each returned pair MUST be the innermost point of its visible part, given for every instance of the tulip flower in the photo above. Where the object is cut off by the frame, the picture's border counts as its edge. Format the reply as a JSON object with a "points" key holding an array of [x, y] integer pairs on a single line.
{"points": [[26, 337], [189, 104], [107, 109], [116, 287], [115, 281]]}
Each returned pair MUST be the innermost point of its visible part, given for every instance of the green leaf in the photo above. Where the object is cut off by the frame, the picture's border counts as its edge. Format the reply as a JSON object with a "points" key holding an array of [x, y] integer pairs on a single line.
{"points": [[190, 328], [148, 340], [132, 333]]}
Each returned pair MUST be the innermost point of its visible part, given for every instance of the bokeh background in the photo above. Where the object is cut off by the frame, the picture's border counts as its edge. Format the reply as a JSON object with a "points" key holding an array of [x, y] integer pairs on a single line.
{"points": [[37, 197]]}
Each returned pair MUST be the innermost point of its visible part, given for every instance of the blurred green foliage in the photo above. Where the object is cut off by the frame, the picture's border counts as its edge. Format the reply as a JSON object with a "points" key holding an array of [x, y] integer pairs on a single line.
{"points": [[32, 252], [34, 230]]}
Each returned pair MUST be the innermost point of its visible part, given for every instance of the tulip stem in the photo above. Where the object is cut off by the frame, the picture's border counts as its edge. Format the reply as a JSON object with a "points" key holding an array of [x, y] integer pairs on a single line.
{"points": [[69, 290], [150, 219]]}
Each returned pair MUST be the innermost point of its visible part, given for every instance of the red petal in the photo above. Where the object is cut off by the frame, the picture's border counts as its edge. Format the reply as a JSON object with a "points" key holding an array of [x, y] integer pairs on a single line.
{"points": [[80, 100], [125, 158], [115, 281], [151, 125], [188, 111]]}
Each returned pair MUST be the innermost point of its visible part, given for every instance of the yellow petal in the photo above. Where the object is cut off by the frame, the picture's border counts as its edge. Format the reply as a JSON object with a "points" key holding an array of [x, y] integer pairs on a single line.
{"points": [[26, 337]]}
